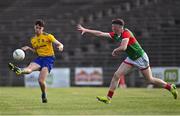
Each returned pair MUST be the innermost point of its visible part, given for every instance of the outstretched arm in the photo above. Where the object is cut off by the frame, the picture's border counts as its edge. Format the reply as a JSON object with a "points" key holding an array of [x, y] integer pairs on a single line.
{"points": [[25, 48], [93, 32]]}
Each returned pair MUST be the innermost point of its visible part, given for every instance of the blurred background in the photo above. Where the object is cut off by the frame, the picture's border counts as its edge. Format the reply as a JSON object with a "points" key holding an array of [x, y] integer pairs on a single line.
{"points": [[86, 60]]}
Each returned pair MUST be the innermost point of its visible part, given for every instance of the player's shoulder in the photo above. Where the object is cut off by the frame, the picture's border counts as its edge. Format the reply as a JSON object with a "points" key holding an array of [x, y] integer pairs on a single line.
{"points": [[48, 34], [111, 34], [32, 38], [126, 30], [45, 33]]}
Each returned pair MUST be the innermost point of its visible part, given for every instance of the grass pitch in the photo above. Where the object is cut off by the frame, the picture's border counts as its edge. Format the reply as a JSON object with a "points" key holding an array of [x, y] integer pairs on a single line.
{"points": [[82, 101]]}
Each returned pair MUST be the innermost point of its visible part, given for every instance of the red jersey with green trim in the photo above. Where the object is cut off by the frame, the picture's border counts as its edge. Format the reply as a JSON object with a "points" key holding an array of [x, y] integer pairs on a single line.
{"points": [[134, 50]]}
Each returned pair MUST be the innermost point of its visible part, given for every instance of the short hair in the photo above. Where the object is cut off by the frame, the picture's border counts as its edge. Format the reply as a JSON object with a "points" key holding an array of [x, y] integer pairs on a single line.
{"points": [[118, 21], [40, 22]]}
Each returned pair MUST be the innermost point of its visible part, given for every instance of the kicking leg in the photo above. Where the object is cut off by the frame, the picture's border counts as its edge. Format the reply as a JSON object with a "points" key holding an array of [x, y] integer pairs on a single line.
{"points": [[31, 67]]}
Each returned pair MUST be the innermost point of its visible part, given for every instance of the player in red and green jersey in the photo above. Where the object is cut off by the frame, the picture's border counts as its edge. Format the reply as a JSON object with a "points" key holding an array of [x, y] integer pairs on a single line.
{"points": [[136, 56]]}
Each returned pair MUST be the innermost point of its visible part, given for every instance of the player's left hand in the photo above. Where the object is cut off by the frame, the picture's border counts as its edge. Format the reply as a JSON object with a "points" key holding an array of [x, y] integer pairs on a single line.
{"points": [[115, 52], [60, 47]]}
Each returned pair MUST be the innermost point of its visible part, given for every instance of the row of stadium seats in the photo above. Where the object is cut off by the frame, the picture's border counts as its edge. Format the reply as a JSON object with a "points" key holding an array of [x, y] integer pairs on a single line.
{"points": [[155, 28]]}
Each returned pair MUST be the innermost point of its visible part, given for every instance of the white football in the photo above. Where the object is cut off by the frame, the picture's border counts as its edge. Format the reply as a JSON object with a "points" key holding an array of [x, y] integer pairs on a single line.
{"points": [[18, 54]]}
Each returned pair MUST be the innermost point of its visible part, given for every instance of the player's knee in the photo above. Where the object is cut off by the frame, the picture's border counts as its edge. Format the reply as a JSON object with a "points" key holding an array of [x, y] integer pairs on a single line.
{"points": [[41, 81], [151, 79], [117, 75]]}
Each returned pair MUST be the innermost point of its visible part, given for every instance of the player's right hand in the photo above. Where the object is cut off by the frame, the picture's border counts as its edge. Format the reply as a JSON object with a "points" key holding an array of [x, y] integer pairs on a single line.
{"points": [[80, 28]]}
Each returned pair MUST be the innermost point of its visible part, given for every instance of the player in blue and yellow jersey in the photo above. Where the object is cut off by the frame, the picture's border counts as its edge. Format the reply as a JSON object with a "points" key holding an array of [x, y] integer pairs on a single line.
{"points": [[42, 45]]}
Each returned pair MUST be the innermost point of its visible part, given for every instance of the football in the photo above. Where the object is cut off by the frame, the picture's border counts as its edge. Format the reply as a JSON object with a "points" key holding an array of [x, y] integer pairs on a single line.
{"points": [[18, 54]]}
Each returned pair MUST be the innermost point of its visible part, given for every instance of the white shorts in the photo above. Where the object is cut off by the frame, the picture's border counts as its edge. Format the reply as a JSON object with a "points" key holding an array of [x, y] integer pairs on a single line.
{"points": [[142, 62]]}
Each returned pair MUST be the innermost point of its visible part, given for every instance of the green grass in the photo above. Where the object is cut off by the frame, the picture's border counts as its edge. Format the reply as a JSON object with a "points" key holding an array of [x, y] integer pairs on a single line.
{"points": [[77, 101]]}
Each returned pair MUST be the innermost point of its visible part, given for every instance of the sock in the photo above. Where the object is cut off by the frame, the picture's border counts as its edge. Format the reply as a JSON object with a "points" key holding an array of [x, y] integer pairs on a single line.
{"points": [[110, 94], [168, 86], [24, 71], [21, 70], [43, 95]]}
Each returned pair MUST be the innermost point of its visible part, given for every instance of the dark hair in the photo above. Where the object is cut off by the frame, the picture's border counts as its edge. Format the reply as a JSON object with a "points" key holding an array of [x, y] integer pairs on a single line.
{"points": [[118, 21], [40, 22]]}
